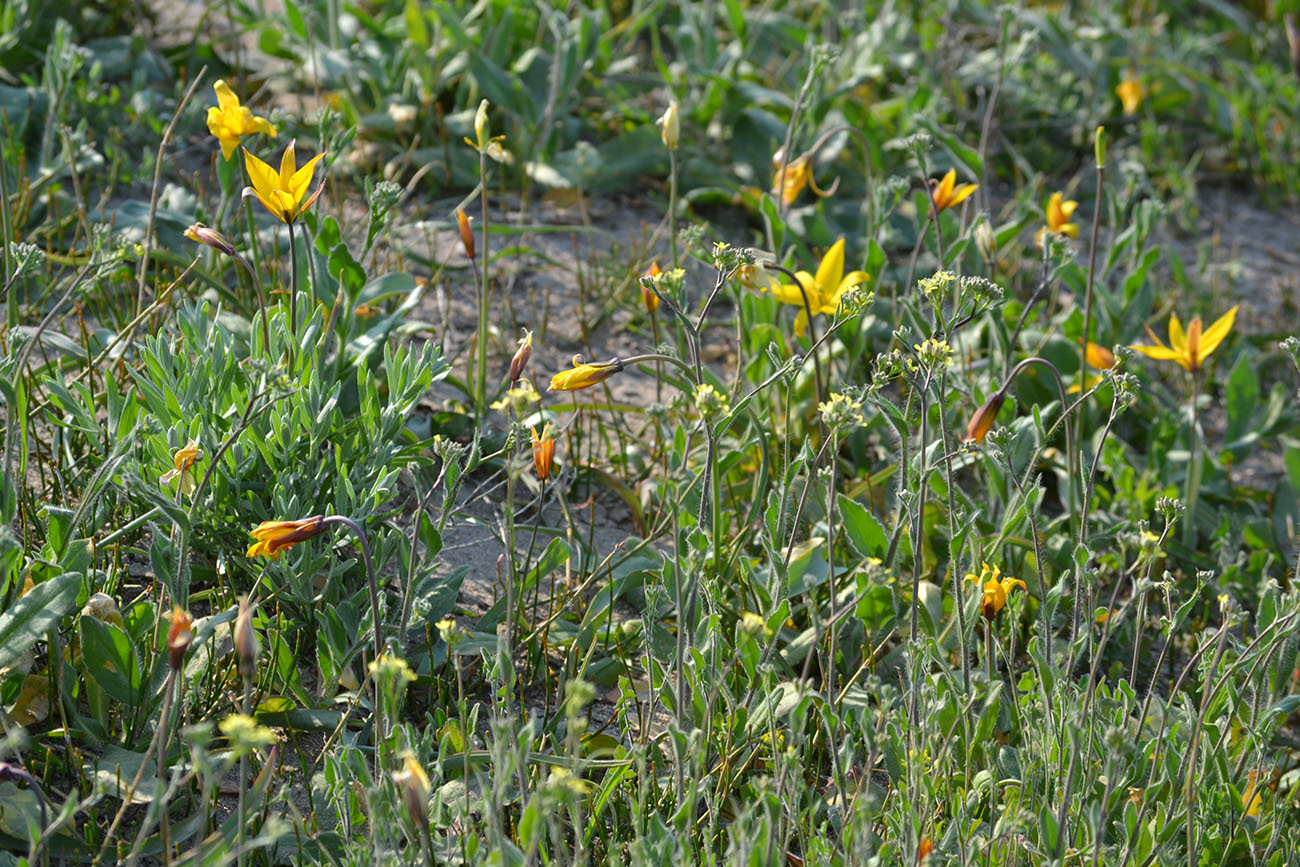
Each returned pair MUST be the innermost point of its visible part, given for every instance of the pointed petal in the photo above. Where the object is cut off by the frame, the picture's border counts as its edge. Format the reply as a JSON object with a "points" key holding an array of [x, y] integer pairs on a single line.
{"points": [[1159, 353], [288, 165], [262, 176], [831, 270], [1194, 342], [1214, 335], [943, 192], [1067, 209], [311, 199], [962, 193], [228, 145], [302, 178], [260, 124], [225, 96], [266, 202], [1177, 337]]}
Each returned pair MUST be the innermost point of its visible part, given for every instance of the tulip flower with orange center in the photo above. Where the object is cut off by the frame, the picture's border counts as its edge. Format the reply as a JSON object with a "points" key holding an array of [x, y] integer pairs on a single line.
{"points": [[543, 452], [996, 587], [948, 193], [283, 193], [1189, 348], [820, 293], [1059, 212], [276, 536], [584, 374]]}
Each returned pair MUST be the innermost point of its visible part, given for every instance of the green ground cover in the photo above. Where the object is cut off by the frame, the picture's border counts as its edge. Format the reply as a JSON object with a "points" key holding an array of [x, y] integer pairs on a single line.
{"points": [[923, 490]]}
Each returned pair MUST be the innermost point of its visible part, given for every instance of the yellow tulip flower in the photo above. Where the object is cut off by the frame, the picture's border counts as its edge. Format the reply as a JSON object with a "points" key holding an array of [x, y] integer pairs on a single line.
{"points": [[584, 375], [230, 122], [1059, 211], [1129, 92], [283, 193], [1189, 348], [824, 290], [276, 536], [996, 587], [947, 193], [184, 459]]}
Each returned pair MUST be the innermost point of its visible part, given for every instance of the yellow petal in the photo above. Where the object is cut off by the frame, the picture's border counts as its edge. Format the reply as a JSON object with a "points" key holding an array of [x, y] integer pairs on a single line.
{"points": [[288, 165], [1177, 337], [944, 191], [225, 96], [261, 176], [260, 124], [302, 178], [962, 194], [1214, 335], [788, 293], [228, 145], [831, 270]]}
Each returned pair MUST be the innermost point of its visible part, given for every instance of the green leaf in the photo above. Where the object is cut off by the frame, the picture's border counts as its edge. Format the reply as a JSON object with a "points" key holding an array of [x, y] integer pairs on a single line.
{"points": [[1241, 397], [865, 532], [35, 614], [111, 660]]}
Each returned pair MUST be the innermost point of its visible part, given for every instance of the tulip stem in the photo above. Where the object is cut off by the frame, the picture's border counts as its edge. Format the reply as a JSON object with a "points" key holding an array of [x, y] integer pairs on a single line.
{"points": [[293, 282], [480, 353], [1193, 463], [1087, 314], [372, 584]]}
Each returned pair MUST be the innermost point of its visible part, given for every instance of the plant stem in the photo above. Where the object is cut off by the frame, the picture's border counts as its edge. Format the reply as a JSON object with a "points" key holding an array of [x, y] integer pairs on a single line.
{"points": [[293, 282]]}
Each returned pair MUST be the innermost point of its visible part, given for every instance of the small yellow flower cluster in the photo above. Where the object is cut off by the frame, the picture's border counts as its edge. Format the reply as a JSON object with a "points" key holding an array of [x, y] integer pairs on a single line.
{"points": [[841, 412], [933, 353]]}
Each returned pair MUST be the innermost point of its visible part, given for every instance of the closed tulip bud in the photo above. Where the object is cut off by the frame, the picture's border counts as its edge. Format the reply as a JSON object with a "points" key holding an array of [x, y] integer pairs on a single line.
{"points": [[672, 127], [201, 234], [982, 422], [520, 360], [413, 783], [648, 296], [466, 236], [179, 637], [246, 644], [543, 452]]}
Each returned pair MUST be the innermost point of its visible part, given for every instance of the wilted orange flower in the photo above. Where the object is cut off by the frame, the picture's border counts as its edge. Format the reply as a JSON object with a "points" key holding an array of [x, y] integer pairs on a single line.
{"points": [[276, 536], [466, 236], [543, 452], [184, 460], [179, 637], [648, 296], [982, 422]]}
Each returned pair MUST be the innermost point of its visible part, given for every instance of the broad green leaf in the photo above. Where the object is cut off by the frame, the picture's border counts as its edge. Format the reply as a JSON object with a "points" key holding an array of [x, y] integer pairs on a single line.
{"points": [[35, 614]]}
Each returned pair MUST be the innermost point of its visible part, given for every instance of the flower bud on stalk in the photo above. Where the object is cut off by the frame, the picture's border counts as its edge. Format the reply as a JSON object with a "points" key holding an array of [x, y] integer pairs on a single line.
{"points": [[982, 422], [179, 637], [466, 236], [521, 357], [246, 646]]}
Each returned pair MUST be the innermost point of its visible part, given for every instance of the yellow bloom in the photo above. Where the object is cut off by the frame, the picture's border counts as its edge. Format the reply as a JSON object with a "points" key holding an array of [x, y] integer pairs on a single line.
{"points": [[648, 297], [276, 536], [948, 193], [1192, 347], [283, 193], [1251, 800], [797, 174], [1059, 211], [584, 375], [230, 122], [1129, 92], [1099, 357], [995, 587], [823, 291], [488, 144], [184, 460], [413, 783]]}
